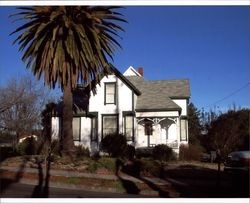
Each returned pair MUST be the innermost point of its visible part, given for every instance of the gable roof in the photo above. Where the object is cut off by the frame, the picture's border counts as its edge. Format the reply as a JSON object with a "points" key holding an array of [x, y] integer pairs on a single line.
{"points": [[111, 70], [131, 72], [124, 79], [158, 94]]}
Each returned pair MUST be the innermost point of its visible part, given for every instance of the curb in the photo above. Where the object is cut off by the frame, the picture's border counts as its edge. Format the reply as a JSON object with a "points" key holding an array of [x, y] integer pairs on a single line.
{"points": [[58, 184], [149, 193]]}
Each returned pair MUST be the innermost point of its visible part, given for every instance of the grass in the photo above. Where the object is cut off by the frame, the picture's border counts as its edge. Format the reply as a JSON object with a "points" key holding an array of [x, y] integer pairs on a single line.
{"points": [[104, 162], [195, 163], [73, 180]]}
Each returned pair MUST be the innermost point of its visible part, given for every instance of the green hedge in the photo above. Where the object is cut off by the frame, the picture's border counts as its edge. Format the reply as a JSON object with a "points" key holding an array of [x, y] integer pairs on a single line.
{"points": [[114, 144], [163, 153], [160, 152]]}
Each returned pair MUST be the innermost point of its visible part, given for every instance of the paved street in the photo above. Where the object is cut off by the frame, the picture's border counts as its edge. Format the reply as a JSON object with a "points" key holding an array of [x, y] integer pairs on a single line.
{"points": [[19, 190], [185, 181]]}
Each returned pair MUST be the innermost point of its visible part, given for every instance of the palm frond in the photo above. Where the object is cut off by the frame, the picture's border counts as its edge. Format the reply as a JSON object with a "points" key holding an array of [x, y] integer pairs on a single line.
{"points": [[68, 44]]}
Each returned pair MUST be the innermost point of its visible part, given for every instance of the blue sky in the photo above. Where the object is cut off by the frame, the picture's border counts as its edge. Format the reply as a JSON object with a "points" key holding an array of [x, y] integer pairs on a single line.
{"points": [[209, 45]]}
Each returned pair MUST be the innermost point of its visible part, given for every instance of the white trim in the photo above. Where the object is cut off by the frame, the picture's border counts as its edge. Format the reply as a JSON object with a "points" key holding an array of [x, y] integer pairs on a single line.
{"points": [[173, 119], [130, 68], [157, 114]]}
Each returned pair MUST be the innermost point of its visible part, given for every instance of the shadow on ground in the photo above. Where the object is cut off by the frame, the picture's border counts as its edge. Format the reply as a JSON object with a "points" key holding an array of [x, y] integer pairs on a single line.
{"points": [[191, 181], [132, 168], [42, 188], [198, 182], [5, 183]]}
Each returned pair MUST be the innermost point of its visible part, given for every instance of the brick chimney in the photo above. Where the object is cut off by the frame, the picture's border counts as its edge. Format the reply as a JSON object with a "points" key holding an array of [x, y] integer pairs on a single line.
{"points": [[140, 71]]}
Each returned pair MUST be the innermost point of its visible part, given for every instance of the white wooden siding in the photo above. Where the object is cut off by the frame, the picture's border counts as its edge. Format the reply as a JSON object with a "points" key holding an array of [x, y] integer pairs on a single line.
{"points": [[183, 104]]}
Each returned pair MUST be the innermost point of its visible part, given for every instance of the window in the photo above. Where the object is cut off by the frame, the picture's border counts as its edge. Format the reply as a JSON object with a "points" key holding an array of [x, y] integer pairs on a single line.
{"points": [[109, 124], [129, 127], [94, 129], [76, 128], [110, 93], [183, 130]]}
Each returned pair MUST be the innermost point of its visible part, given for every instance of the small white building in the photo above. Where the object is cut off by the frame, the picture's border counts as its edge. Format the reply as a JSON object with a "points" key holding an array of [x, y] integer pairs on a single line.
{"points": [[148, 112]]}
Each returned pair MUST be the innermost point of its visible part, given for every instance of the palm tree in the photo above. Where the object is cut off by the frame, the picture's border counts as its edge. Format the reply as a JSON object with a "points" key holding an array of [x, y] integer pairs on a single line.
{"points": [[67, 45]]}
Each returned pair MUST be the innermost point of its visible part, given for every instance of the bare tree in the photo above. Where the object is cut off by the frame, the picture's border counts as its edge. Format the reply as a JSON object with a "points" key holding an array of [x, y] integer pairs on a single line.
{"points": [[21, 102], [230, 131]]}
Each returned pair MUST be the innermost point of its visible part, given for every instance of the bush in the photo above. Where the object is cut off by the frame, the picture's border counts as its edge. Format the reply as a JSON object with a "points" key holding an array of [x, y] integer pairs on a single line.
{"points": [[163, 153], [190, 152], [129, 152], [145, 152], [28, 147], [114, 144], [148, 166], [82, 151]]}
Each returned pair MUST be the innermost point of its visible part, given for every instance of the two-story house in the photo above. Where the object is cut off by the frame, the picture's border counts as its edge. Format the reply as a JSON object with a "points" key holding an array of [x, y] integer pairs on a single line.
{"points": [[147, 112]]}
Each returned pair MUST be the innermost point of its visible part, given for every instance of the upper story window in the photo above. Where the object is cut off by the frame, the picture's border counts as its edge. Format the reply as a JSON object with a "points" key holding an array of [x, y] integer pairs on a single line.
{"points": [[110, 93]]}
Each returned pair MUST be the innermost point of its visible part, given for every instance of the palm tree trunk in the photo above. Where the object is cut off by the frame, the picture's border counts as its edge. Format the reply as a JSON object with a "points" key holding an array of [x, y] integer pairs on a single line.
{"points": [[68, 148]]}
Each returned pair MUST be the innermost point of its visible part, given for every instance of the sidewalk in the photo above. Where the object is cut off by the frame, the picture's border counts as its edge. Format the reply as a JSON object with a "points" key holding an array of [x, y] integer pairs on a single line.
{"points": [[150, 186]]}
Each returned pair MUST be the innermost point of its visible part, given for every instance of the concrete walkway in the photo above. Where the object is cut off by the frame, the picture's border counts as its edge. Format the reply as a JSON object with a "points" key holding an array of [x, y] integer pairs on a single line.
{"points": [[156, 182]]}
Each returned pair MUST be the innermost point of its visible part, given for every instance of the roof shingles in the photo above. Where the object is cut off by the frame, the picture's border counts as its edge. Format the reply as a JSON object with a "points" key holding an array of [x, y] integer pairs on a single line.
{"points": [[157, 94]]}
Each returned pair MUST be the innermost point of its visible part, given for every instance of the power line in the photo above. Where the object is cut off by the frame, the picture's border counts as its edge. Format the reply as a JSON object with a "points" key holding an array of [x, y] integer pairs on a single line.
{"points": [[231, 94]]}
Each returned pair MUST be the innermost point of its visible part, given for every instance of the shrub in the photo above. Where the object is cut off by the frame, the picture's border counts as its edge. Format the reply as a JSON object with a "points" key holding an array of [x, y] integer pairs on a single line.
{"points": [[114, 144], [163, 153], [92, 167], [148, 166], [190, 152], [129, 152], [82, 151], [27, 147], [96, 155], [144, 152]]}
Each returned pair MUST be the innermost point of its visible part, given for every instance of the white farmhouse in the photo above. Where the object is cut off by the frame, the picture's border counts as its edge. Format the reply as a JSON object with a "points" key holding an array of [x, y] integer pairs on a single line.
{"points": [[148, 112]]}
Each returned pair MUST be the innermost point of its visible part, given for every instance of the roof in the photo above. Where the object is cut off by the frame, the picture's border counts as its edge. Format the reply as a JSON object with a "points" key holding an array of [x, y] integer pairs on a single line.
{"points": [[131, 71], [153, 95], [158, 94], [125, 80], [110, 70]]}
